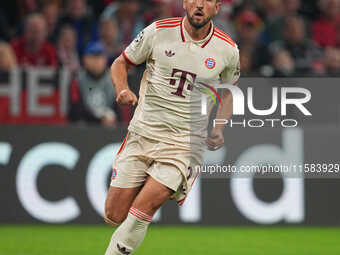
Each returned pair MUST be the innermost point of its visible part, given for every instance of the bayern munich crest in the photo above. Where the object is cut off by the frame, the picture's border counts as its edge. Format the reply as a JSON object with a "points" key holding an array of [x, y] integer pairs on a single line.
{"points": [[210, 63]]}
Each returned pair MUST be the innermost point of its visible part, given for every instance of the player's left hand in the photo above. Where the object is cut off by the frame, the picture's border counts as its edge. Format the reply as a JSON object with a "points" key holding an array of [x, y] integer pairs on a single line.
{"points": [[216, 139]]}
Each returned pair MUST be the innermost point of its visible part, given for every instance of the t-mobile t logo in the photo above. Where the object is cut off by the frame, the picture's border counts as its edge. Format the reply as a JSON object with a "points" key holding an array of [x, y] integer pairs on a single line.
{"points": [[184, 77]]}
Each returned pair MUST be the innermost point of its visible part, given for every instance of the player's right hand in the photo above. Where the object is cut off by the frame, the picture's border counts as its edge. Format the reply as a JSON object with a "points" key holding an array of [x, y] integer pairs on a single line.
{"points": [[126, 97]]}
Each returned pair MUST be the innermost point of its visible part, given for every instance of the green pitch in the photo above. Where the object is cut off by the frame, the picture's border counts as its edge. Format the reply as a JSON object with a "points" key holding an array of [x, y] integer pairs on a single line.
{"points": [[160, 240]]}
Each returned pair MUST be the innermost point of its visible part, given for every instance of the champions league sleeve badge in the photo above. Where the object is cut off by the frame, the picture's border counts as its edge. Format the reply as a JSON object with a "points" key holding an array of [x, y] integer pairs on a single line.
{"points": [[139, 37]]}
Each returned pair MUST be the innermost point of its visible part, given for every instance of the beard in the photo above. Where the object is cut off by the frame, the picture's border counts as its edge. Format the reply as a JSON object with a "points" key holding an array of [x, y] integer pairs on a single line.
{"points": [[198, 25]]}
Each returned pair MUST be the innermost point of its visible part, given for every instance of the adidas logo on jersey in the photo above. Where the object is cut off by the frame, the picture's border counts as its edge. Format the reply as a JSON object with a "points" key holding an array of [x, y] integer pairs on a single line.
{"points": [[169, 53]]}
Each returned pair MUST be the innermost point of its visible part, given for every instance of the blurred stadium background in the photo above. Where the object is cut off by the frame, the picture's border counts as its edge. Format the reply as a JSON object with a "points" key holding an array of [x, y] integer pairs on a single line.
{"points": [[60, 127]]}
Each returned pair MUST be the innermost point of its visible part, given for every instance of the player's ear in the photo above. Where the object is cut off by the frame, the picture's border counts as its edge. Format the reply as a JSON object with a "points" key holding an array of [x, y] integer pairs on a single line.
{"points": [[218, 6], [184, 4]]}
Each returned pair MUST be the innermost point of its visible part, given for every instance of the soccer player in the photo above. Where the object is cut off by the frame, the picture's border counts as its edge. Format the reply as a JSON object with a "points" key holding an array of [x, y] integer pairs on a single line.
{"points": [[165, 138]]}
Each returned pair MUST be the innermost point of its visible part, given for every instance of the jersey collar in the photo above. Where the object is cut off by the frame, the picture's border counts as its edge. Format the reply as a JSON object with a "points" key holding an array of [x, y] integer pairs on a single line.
{"points": [[187, 38]]}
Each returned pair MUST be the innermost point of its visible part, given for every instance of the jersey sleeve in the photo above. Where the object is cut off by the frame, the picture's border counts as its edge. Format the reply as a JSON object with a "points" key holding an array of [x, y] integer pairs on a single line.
{"points": [[141, 47], [231, 73]]}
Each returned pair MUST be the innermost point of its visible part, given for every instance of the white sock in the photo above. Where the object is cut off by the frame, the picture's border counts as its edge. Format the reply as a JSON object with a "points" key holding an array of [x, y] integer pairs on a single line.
{"points": [[130, 234]]}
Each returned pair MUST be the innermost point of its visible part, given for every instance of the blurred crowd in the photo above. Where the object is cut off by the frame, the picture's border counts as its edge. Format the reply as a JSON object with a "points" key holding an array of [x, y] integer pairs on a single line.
{"points": [[277, 38]]}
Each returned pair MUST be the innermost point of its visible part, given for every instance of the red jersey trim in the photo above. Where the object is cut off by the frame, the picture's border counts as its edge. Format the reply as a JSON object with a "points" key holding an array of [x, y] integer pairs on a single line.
{"points": [[212, 34], [183, 37], [224, 39], [168, 22], [121, 147], [219, 33], [167, 26], [222, 33], [127, 59]]}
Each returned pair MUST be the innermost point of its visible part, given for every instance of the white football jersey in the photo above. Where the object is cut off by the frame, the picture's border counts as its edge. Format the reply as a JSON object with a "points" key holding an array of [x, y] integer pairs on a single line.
{"points": [[169, 107]]}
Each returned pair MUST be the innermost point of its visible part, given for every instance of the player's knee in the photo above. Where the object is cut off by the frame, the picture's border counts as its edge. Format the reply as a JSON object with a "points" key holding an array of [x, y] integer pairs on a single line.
{"points": [[113, 219]]}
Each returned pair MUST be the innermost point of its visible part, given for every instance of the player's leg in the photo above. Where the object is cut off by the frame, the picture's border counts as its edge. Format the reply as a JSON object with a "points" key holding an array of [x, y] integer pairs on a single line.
{"points": [[127, 179], [118, 203], [152, 197], [131, 232]]}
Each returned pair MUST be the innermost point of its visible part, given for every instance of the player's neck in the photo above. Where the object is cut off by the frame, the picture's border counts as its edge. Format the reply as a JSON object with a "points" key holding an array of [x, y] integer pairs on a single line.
{"points": [[197, 34]]}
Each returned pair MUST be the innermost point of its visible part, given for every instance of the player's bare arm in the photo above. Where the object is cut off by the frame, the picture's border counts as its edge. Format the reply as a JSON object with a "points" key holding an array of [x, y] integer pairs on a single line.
{"points": [[119, 72], [224, 111]]}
